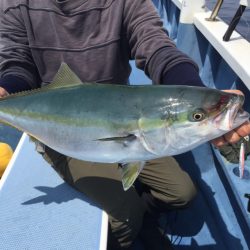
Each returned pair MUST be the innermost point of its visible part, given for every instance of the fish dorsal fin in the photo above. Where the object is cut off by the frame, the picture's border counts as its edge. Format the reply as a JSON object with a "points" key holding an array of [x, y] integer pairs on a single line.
{"points": [[65, 77]]}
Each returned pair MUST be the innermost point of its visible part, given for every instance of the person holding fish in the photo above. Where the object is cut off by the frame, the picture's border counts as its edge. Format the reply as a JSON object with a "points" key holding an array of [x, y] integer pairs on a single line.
{"points": [[40, 40]]}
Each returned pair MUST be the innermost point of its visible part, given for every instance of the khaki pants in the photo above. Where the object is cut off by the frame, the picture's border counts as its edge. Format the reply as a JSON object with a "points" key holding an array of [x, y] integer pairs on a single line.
{"points": [[161, 185]]}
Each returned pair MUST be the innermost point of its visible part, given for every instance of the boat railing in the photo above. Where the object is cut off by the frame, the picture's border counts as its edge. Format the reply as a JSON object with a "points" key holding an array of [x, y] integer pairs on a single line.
{"points": [[215, 11], [235, 53]]}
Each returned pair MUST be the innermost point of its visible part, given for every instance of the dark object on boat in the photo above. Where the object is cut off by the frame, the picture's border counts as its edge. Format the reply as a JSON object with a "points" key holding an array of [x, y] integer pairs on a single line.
{"points": [[248, 205], [232, 151], [234, 23], [215, 11]]}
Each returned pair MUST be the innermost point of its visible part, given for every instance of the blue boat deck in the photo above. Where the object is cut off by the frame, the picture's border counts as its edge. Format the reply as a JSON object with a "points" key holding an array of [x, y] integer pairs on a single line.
{"points": [[40, 211]]}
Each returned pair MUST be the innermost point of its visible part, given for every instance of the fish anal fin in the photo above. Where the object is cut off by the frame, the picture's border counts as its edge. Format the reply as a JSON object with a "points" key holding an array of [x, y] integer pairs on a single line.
{"points": [[130, 172]]}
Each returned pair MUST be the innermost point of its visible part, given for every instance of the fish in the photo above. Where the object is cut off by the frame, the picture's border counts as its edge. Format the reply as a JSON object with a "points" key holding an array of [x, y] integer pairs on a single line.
{"points": [[242, 156], [123, 124]]}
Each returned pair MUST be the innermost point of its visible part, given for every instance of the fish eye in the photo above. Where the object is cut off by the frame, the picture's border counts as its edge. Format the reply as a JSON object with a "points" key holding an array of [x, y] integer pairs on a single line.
{"points": [[198, 115]]}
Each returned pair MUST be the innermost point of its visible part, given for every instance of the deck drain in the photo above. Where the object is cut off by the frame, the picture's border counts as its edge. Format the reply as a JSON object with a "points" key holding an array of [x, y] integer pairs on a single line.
{"points": [[246, 174]]}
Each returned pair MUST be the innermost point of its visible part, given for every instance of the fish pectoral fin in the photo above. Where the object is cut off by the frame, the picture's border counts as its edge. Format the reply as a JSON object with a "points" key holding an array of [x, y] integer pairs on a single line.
{"points": [[122, 139], [130, 172]]}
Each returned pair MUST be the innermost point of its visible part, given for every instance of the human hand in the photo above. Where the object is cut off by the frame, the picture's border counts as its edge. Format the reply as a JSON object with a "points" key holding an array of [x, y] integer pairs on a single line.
{"points": [[3, 92], [236, 134]]}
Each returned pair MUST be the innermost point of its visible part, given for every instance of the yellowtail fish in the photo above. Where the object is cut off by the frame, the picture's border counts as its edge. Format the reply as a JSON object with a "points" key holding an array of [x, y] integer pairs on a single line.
{"points": [[121, 124]]}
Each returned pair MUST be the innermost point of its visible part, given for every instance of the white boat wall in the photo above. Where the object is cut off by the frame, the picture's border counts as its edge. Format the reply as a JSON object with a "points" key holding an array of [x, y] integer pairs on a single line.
{"points": [[39, 211]]}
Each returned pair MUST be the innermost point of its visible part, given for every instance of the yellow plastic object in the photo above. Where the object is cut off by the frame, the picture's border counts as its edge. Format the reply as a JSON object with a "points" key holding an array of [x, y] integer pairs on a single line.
{"points": [[6, 153]]}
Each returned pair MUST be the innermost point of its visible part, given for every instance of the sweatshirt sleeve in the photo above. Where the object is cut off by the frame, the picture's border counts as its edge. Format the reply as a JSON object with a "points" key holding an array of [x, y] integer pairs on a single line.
{"points": [[152, 49], [15, 55], [13, 84]]}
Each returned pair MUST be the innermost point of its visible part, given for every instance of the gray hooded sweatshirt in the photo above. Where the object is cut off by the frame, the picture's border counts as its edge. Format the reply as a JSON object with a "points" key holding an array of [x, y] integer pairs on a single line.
{"points": [[96, 38]]}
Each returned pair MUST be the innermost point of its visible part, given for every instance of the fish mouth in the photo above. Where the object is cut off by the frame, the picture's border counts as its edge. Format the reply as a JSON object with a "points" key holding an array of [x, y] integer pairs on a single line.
{"points": [[232, 115]]}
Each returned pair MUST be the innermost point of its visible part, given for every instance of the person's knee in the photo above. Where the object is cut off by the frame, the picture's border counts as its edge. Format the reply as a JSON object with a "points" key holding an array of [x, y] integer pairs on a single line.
{"points": [[184, 191], [178, 197], [186, 195]]}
